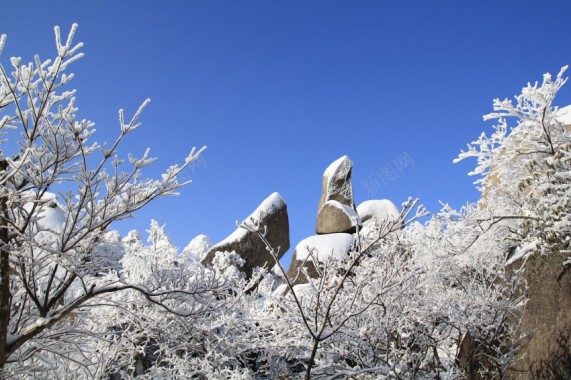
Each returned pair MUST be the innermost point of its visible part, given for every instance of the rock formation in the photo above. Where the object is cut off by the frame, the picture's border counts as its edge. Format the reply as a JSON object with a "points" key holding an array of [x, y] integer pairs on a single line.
{"points": [[336, 220], [317, 248], [381, 210], [336, 182], [335, 217], [336, 209], [270, 214]]}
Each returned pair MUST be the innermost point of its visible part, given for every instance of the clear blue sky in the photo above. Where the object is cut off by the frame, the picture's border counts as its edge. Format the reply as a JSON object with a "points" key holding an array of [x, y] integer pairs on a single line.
{"points": [[279, 89]]}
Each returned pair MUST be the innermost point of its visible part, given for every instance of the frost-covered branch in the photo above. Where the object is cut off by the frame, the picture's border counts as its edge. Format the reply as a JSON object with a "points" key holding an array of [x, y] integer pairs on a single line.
{"points": [[331, 312], [60, 191]]}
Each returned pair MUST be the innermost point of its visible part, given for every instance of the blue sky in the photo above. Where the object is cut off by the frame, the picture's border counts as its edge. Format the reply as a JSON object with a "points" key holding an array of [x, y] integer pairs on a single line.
{"points": [[277, 90]]}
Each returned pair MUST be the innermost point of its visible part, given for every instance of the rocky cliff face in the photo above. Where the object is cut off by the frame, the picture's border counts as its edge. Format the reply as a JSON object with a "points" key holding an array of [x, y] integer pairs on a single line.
{"points": [[547, 317]]}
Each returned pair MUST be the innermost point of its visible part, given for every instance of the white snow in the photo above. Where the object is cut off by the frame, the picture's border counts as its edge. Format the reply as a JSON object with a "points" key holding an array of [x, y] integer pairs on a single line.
{"points": [[324, 246], [270, 205], [237, 235], [342, 162], [109, 251], [280, 290], [379, 209], [523, 252], [564, 115], [37, 323], [51, 216], [197, 248]]}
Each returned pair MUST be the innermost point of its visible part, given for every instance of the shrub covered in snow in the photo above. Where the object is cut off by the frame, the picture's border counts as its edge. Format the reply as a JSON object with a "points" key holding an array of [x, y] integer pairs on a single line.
{"points": [[398, 299]]}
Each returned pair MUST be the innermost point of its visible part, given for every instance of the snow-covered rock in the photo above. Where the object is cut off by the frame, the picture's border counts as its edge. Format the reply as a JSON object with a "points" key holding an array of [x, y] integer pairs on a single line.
{"points": [[336, 211], [335, 217], [318, 248], [51, 217], [380, 210], [323, 247], [336, 183], [270, 214], [563, 115]]}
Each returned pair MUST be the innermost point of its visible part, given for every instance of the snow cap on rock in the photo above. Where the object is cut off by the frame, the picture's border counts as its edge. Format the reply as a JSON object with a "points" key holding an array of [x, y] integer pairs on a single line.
{"points": [[321, 247], [382, 210], [324, 246]]}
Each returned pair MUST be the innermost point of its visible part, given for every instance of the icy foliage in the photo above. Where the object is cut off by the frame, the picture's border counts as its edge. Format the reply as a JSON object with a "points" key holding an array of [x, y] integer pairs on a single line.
{"points": [[140, 261], [197, 248], [60, 192], [526, 169], [228, 263], [396, 300]]}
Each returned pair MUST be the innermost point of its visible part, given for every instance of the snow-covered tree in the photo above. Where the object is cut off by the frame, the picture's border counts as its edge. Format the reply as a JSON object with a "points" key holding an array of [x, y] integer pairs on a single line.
{"points": [[403, 304], [60, 191], [167, 332], [525, 169], [411, 300], [197, 248], [444, 298], [526, 197]]}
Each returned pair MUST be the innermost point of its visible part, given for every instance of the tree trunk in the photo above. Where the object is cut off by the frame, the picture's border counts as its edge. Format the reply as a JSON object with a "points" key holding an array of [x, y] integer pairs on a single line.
{"points": [[4, 276]]}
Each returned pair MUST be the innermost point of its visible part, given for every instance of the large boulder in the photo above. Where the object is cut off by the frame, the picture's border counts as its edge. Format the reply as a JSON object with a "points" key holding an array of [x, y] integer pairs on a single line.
{"points": [[272, 215], [379, 210], [336, 210], [336, 183], [336, 217], [314, 250]]}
